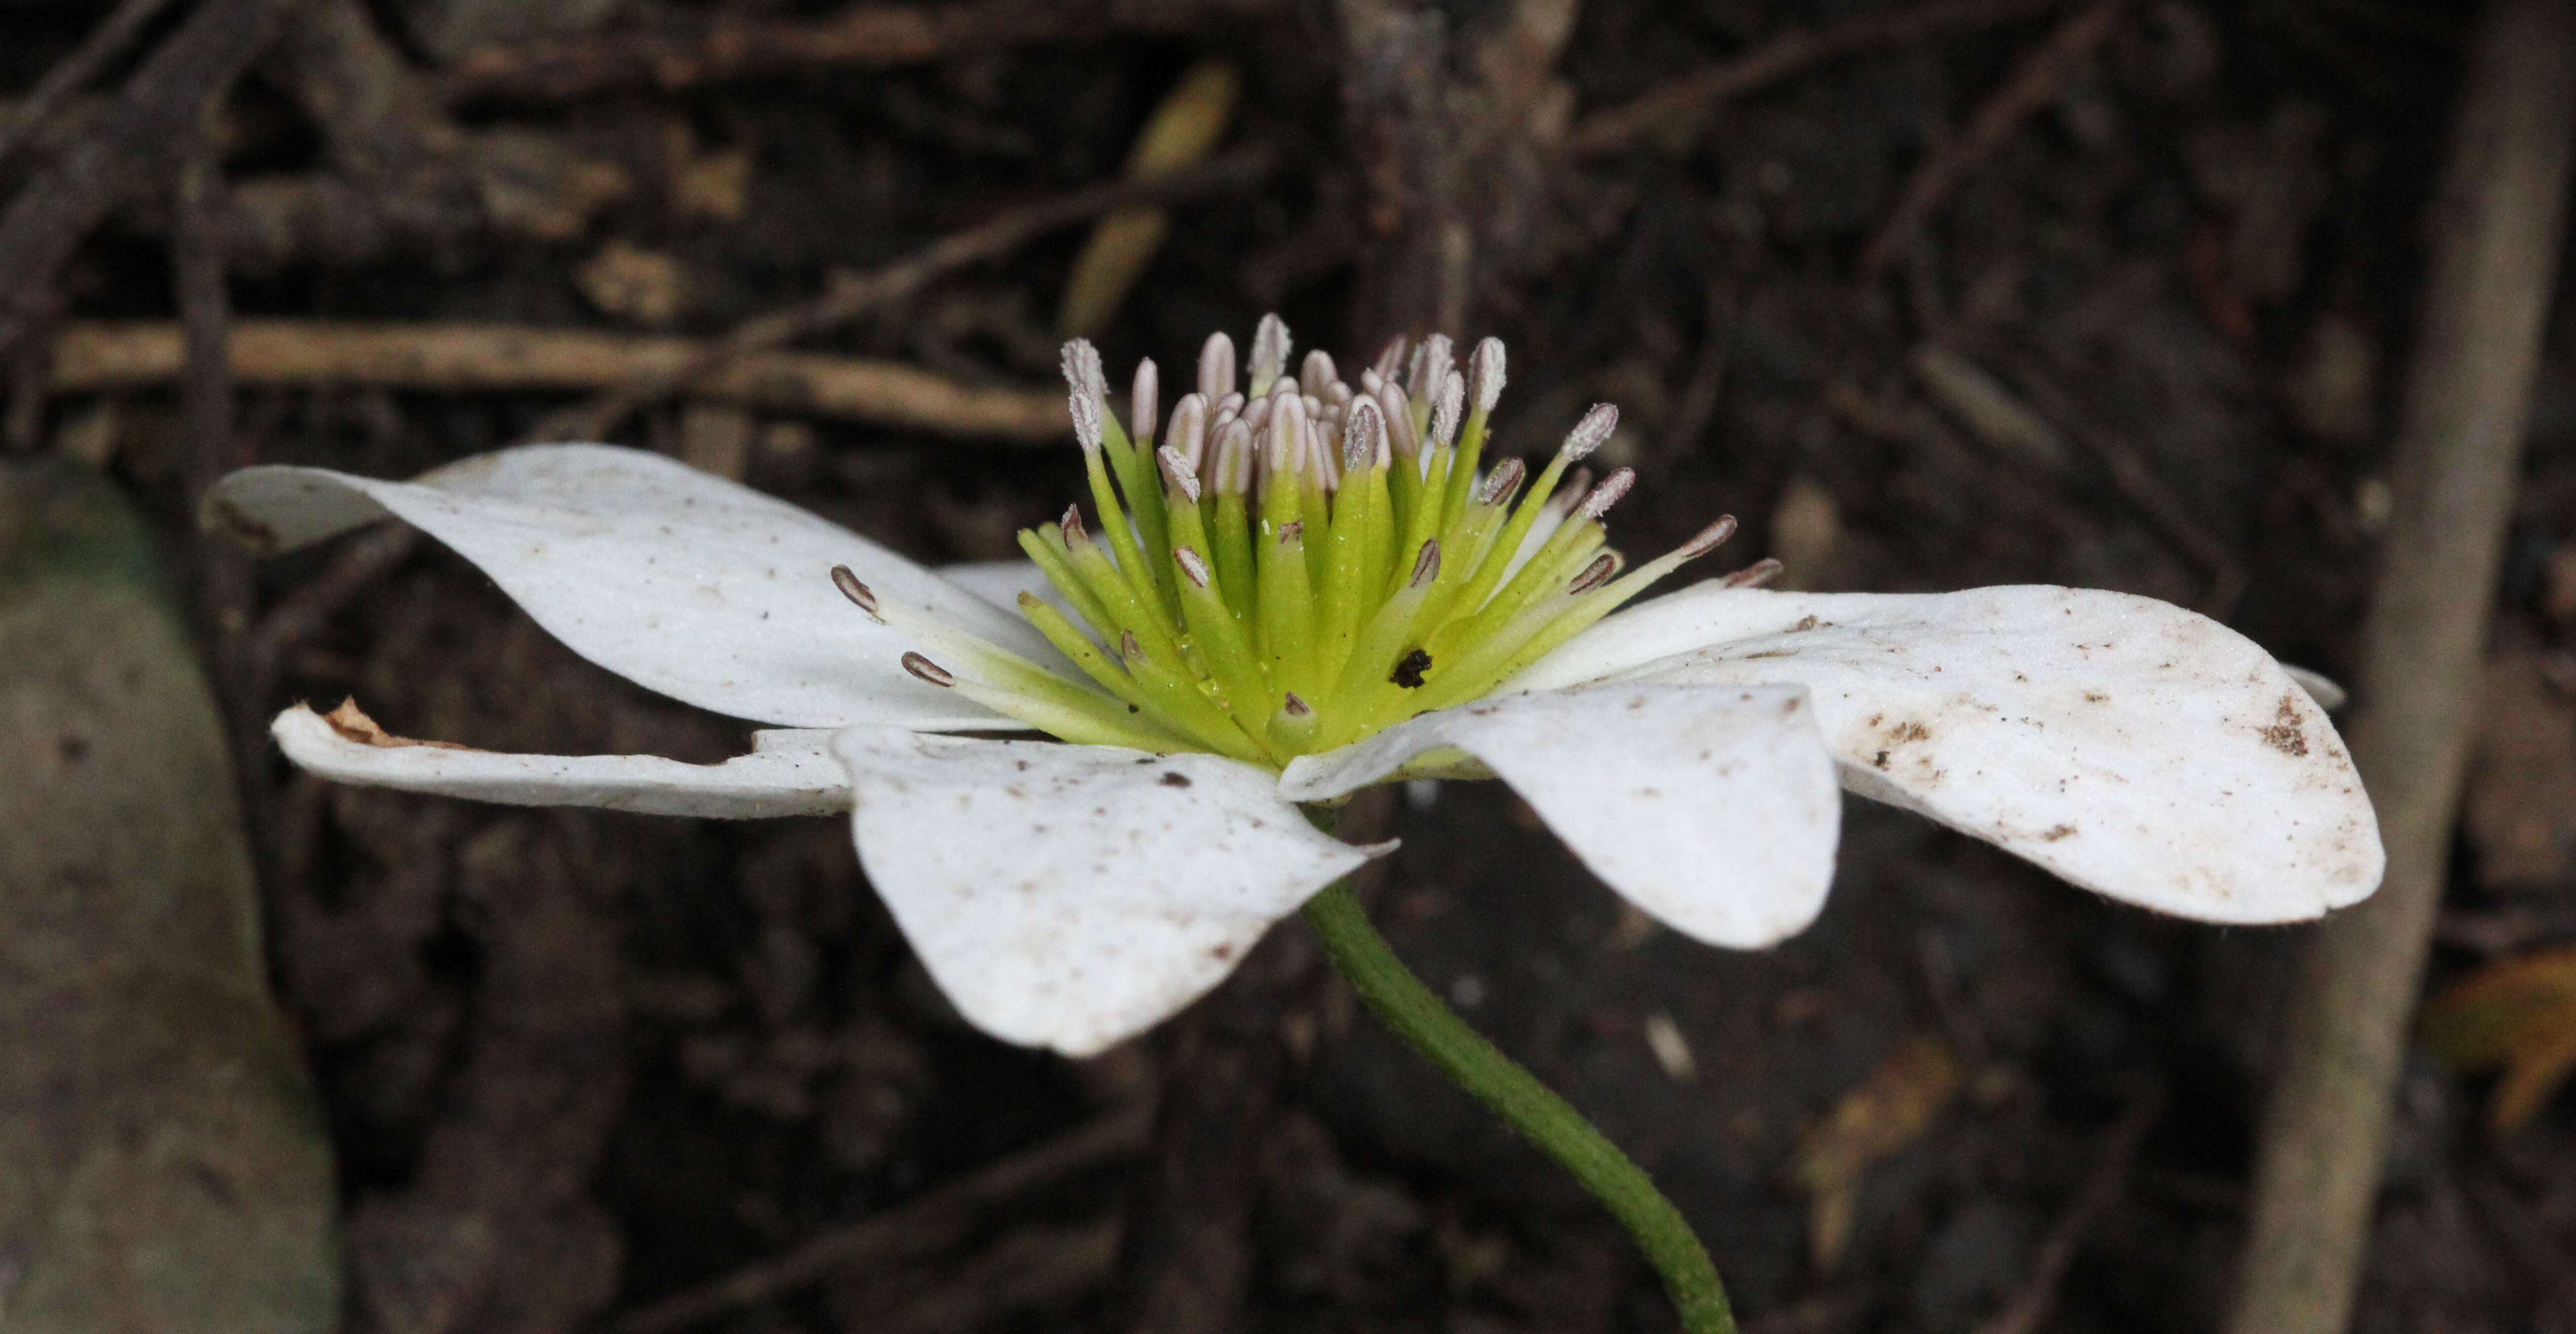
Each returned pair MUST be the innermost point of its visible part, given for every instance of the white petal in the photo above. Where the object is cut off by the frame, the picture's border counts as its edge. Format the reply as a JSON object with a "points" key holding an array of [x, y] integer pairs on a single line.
{"points": [[1712, 808], [697, 587], [787, 773], [1001, 582], [2130, 746], [1072, 896]]}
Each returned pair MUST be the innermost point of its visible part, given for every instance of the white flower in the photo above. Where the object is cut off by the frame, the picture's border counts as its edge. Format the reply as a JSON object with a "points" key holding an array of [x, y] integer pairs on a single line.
{"points": [[1687, 748]]}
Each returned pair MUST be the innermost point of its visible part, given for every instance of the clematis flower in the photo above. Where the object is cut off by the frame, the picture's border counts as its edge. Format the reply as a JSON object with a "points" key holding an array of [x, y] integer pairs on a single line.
{"points": [[1306, 587]]}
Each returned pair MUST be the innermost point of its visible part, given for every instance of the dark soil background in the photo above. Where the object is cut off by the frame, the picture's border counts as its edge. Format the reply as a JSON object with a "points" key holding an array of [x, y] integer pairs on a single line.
{"points": [[579, 1067]]}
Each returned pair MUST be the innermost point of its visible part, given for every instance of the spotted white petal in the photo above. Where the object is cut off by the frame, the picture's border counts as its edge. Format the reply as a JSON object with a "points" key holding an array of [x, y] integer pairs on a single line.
{"points": [[787, 772], [1072, 896], [1712, 808], [2128, 745], [691, 585]]}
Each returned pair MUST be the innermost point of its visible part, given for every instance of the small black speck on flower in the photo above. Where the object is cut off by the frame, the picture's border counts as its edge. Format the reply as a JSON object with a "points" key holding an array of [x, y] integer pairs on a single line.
{"points": [[1409, 669]]}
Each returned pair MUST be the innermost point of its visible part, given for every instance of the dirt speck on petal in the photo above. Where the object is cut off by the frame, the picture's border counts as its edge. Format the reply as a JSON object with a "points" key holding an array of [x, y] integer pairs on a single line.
{"points": [[2285, 735]]}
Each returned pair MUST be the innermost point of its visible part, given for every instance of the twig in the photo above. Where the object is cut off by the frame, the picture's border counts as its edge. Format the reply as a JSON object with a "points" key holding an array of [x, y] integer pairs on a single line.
{"points": [[301, 614], [2167, 513], [994, 237], [152, 126], [2034, 82], [2496, 233], [1782, 57], [867, 36], [1225, 1079], [916, 1227], [75, 71], [458, 358], [1032, 1267], [2030, 1304]]}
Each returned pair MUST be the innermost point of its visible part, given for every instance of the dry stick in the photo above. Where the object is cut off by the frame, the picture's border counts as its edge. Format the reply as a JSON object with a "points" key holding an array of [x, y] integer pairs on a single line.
{"points": [[2496, 233], [2034, 83], [931, 1222], [867, 36], [303, 613], [75, 71], [847, 301], [2173, 518], [2109, 1179], [461, 358], [143, 137], [1788, 54], [1036, 1266]]}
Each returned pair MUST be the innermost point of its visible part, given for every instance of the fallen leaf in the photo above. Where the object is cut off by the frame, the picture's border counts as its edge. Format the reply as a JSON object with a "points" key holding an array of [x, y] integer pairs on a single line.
{"points": [[2517, 1015], [1890, 1110], [1181, 132]]}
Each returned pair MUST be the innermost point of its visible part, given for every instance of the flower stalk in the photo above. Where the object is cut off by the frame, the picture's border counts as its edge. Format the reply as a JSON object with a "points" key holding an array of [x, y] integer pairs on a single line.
{"points": [[1401, 1001]]}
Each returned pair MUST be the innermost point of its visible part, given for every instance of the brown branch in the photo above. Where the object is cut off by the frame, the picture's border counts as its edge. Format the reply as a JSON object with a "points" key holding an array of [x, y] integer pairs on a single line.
{"points": [[2035, 82], [1780, 58], [464, 358], [921, 1226], [135, 148], [2497, 228], [2109, 1180], [846, 301], [1032, 1267], [104, 43], [867, 36]]}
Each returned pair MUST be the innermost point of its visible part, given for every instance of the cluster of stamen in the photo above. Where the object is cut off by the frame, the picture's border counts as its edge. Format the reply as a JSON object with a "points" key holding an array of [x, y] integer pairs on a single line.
{"points": [[1298, 562]]}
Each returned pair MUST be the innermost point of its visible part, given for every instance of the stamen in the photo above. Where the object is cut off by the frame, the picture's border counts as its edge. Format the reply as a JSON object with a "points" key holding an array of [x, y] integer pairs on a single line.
{"points": [[1595, 574], [1086, 386], [1178, 477], [1755, 575], [928, 671], [1390, 359], [1426, 567], [1710, 538], [1234, 460], [1485, 375], [1609, 493], [1189, 430], [1144, 400], [1364, 436], [1269, 353], [1590, 433], [1400, 437], [1445, 411], [1316, 374], [1429, 368], [1248, 593], [1216, 370], [856, 592], [1561, 501], [1295, 726]]}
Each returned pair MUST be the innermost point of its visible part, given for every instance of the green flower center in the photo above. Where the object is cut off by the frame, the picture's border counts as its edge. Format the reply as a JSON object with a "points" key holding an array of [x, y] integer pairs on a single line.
{"points": [[1302, 563]]}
